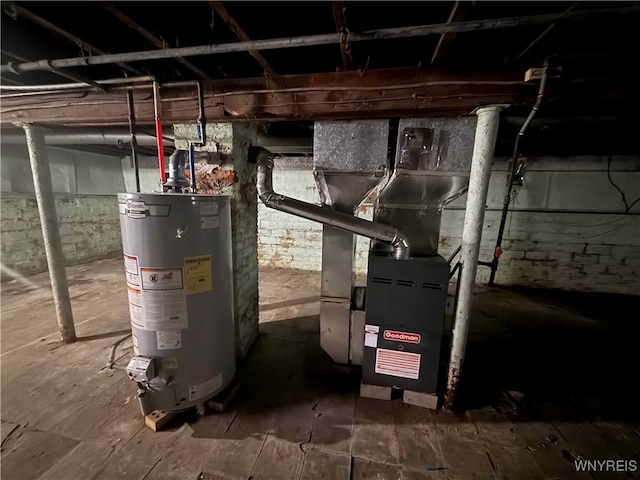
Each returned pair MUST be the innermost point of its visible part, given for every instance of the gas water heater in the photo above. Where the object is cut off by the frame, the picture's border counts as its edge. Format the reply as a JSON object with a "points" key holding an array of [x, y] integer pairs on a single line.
{"points": [[178, 267]]}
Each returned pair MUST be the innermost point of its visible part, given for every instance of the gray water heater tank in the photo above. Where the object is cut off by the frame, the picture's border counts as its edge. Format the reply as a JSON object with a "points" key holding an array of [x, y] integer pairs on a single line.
{"points": [[178, 267]]}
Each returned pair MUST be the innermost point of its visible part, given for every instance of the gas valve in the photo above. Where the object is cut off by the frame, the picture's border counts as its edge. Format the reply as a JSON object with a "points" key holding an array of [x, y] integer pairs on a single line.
{"points": [[141, 369]]}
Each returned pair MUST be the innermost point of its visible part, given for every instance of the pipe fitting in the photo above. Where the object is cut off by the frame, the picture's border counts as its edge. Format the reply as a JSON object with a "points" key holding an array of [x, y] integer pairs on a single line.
{"points": [[264, 175], [400, 246], [177, 179]]}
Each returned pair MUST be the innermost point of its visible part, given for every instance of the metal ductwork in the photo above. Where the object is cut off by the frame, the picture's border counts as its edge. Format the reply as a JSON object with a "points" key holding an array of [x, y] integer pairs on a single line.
{"points": [[433, 159], [323, 214], [285, 145]]}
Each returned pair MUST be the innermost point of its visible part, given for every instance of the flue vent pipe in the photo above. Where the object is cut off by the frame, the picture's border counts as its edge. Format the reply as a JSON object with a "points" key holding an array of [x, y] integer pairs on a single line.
{"points": [[323, 214]]}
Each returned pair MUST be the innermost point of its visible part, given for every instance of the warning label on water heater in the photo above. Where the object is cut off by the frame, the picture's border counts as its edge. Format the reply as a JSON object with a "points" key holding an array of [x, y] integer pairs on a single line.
{"points": [[197, 274], [131, 264], [170, 340], [137, 316], [135, 296], [208, 208], [164, 310], [131, 270], [161, 278], [158, 301], [209, 215]]}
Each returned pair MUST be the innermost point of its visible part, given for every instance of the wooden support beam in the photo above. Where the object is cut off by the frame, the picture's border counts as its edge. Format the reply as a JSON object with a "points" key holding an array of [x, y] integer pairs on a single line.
{"points": [[154, 40], [242, 36], [338, 95], [340, 19], [458, 12], [18, 11]]}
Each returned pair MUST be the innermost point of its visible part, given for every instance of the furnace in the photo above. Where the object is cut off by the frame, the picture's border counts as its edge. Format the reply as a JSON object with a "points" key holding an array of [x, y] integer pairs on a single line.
{"points": [[396, 326]]}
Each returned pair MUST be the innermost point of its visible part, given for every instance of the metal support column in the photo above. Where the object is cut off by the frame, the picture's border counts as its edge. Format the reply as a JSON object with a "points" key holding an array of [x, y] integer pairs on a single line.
{"points": [[50, 232], [134, 139], [483, 148]]}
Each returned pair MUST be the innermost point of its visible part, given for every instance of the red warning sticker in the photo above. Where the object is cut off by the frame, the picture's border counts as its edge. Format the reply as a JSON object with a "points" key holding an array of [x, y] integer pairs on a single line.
{"points": [[402, 336], [397, 364]]}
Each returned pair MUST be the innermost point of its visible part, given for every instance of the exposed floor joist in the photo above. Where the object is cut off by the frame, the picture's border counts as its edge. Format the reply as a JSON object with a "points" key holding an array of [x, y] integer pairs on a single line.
{"points": [[154, 40], [242, 36], [324, 39], [18, 11], [340, 19], [458, 12]]}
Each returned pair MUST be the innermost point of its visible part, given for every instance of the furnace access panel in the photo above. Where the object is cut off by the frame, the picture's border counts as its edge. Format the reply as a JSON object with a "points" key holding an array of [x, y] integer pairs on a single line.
{"points": [[405, 312]]}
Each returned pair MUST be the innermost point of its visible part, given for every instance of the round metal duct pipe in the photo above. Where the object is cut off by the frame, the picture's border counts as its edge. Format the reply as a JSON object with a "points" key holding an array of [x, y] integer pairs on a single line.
{"points": [[88, 137]]}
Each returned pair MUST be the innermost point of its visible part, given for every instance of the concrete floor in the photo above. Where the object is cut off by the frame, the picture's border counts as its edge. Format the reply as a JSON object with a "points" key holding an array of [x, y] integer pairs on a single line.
{"points": [[550, 377]]}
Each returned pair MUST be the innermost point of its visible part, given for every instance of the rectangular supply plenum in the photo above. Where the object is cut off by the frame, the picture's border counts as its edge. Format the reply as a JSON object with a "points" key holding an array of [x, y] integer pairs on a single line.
{"points": [[405, 311]]}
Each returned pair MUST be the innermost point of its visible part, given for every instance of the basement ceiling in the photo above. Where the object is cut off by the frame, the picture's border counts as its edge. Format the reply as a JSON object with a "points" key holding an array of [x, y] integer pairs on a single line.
{"points": [[116, 28], [598, 54]]}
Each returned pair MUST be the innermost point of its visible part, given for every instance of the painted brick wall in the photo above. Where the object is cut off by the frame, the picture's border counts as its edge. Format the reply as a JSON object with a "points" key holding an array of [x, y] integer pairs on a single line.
{"points": [[234, 140], [89, 228], [568, 229], [84, 186], [244, 218], [286, 241]]}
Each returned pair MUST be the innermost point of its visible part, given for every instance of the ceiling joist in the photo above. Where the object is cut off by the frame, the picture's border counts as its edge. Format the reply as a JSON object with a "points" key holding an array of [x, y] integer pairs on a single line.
{"points": [[458, 12], [340, 19], [242, 36], [154, 40], [18, 11], [253, 46]]}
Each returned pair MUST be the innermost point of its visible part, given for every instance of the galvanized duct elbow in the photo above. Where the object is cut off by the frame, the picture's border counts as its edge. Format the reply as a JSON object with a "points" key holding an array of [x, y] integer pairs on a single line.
{"points": [[323, 214], [264, 177]]}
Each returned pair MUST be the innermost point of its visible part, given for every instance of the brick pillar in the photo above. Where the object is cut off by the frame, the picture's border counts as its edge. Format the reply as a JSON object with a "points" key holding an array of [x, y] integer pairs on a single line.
{"points": [[228, 146]]}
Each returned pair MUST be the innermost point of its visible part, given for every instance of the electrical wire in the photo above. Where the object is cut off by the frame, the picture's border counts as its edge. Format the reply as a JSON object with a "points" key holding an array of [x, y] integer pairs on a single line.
{"points": [[550, 225], [627, 206], [599, 234], [592, 225]]}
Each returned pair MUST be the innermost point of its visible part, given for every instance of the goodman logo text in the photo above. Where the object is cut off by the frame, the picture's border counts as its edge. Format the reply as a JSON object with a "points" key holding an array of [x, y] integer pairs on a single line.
{"points": [[401, 336]]}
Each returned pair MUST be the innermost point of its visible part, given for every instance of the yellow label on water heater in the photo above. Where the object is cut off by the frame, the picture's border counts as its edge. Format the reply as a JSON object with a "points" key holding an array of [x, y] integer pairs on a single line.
{"points": [[197, 274]]}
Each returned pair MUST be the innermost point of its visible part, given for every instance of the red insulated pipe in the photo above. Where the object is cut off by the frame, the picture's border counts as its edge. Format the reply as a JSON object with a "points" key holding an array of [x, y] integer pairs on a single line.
{"points": [[163, 175], [156, 108]]}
